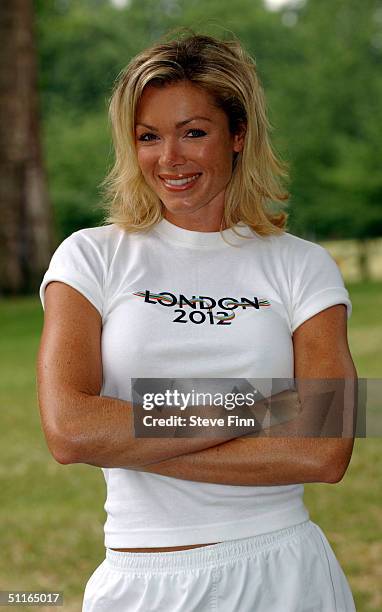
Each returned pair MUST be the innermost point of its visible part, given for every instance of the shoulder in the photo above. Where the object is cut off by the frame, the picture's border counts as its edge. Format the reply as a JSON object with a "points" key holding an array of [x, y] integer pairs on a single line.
{"points": [[297, 255], [92, 244], [313, 277], [89, 251], [99, 236], [307, 276], [83, 260], [290, 245]]}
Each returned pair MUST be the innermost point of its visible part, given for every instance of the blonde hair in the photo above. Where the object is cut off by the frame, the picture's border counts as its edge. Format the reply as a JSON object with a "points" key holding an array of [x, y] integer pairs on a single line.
{"points": [[228, 73]]}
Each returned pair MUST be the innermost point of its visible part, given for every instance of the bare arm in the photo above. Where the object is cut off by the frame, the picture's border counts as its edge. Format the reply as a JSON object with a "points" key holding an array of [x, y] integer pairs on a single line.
{"points": [[79, 425], [321, 351]]}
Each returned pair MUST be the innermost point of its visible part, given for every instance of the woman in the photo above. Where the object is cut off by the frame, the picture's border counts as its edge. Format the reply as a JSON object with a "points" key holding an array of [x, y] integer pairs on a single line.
{"points": [[195, 278]]}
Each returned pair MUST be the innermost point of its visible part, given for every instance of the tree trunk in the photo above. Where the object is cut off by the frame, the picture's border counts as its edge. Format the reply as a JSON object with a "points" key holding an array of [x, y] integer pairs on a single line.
{"points": [[26, 223]]}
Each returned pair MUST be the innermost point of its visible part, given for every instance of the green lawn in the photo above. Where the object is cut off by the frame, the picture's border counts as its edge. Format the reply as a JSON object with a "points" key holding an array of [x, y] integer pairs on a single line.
{"points": [[51, 516]]}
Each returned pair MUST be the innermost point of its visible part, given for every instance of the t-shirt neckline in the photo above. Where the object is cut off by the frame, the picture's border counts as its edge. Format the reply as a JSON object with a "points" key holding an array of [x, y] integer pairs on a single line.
{"points": [[194, 239]]}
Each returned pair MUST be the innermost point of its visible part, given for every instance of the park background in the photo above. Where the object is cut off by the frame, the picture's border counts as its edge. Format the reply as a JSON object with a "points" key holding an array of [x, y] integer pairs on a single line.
{"points": [[320, 64]]}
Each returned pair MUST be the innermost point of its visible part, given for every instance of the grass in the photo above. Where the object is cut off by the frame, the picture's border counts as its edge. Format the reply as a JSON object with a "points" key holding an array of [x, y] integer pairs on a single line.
{"points": [[51, 516], [350, 512]]}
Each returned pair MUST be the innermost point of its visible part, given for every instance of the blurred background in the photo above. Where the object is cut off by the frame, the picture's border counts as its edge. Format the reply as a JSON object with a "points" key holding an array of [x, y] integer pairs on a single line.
{"points": [[320, 64]]}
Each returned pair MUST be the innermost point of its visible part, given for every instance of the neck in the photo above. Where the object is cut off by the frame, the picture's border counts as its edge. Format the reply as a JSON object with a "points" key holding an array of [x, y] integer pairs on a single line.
{"points": [[196, 222]]}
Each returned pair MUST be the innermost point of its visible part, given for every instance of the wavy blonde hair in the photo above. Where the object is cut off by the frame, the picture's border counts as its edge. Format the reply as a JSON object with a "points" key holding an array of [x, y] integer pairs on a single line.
{"points": [[228, 73]]}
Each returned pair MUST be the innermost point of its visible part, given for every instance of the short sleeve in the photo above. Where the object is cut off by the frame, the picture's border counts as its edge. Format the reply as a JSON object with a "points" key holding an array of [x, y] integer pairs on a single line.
{"points": [[317, 284], [77, 262]]}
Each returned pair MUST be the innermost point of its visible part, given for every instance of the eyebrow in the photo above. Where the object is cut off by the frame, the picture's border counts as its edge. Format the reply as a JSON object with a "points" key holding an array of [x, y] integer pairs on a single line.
{"points": [[179, 124]]}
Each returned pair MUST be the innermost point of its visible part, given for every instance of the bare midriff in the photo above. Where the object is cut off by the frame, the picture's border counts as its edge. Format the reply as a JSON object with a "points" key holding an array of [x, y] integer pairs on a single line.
{"points": [[165, 549]]}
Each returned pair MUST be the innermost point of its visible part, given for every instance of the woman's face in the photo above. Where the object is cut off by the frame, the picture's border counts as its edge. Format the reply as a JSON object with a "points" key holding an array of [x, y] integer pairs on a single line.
{"points": [[185, 152]]}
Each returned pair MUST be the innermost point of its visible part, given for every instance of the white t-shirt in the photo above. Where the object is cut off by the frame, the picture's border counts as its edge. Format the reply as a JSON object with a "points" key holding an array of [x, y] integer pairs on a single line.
{"points": [[252, 293]]}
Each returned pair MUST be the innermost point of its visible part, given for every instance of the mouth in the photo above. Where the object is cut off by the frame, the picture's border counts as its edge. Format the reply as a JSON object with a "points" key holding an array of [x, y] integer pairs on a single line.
{"points": [[179, 182]]}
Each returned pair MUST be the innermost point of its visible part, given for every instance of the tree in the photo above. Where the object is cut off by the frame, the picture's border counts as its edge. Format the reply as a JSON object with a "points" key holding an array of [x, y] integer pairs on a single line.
{"points": [[334, 115], [319, 62], [26, 235]]}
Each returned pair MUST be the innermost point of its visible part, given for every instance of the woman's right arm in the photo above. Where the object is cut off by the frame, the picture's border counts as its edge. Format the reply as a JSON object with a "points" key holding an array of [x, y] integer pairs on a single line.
{"points": [[79, 425]]}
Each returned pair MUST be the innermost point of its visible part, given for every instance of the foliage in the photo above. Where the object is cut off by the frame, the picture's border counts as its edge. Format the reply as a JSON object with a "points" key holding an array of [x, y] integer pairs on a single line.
{"points": [[79, 154], [338, 119], [320, 64]]}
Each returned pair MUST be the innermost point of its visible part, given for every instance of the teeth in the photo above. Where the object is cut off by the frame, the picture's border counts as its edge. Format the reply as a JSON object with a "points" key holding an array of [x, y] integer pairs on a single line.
{"points": [[179, 182]]}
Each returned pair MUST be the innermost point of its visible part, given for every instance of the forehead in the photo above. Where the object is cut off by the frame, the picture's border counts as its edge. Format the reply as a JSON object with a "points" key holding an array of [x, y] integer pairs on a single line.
{"points": [[175, 102]]}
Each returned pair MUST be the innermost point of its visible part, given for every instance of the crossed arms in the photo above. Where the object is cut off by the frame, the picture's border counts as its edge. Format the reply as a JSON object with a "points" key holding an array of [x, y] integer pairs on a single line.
{"points": [[82, 427]]}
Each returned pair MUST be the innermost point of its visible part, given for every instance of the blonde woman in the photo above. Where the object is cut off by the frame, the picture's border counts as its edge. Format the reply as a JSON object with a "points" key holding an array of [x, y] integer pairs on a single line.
{"points": [[193, 277]]}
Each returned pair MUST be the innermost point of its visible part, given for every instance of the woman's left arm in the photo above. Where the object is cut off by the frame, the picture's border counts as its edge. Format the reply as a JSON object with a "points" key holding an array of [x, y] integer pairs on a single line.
{"points": [[321, 351]]}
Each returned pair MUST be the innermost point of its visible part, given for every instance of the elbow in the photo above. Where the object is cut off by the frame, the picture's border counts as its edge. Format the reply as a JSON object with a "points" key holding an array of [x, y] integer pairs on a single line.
{"points": [[335, 479], [334, 468], [61, 448], [330, 476], [62, 452], [61, 443], [335, 476], [64, 455], [62, 459]]}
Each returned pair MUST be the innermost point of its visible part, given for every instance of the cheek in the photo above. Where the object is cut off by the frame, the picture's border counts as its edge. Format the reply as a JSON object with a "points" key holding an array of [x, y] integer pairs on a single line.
{"points": [[217, 156], [213, 158], [145, 161]]}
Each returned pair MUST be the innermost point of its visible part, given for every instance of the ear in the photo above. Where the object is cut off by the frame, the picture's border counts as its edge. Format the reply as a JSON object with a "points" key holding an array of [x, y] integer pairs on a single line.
{"points": [[239, 139]]}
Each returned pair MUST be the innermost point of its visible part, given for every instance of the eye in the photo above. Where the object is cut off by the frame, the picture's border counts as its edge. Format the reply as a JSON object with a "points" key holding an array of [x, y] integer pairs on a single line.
{"points": [[195, 133], [147, 137]]}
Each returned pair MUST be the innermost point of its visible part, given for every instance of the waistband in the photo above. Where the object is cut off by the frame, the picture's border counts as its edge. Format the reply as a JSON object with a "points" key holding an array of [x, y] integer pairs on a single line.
{"points": [[206, 556]]}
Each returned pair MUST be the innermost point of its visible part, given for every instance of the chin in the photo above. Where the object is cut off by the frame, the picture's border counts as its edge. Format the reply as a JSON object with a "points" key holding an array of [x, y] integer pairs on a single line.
{"points": [[181, 207]]}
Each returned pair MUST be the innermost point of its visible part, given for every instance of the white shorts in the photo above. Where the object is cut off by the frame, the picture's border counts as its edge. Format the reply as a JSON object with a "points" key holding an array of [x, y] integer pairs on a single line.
{"points": [[290, 570]]}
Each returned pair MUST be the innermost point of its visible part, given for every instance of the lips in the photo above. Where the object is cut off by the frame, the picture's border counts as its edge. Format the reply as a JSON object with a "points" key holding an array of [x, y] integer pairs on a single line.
{"points": [[179, 181]]}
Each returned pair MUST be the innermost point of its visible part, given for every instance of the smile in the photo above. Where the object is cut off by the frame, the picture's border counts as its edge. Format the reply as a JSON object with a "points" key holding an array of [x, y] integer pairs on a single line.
{"points": [[180, 183]]}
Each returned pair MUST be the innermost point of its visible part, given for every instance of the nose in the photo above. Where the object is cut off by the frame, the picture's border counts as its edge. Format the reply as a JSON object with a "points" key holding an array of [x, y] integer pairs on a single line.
{"points": [[171, 153]]}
